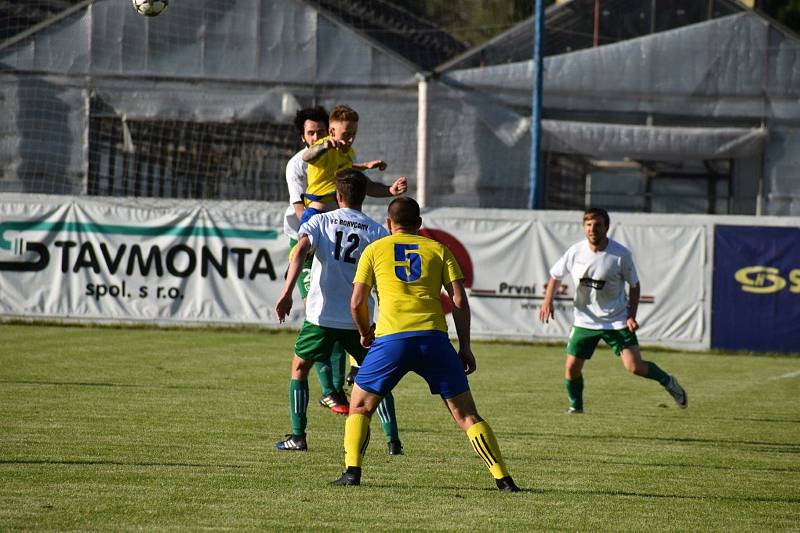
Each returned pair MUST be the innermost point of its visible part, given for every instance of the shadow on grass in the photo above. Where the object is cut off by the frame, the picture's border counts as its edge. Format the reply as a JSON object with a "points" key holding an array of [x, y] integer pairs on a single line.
{"points": [[632, 494], [794, 470], [787, 447], [550, 491], [101, 384], [79, 462]]}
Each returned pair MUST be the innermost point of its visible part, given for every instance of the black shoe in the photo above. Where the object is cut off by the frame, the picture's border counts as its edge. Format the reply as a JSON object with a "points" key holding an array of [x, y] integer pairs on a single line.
{"points": [[351, 376], [294, 443], [350, 477], [507, 484], [395, 447]]}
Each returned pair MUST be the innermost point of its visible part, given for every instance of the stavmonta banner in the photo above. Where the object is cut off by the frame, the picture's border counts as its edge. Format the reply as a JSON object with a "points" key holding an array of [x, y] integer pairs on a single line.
{"points": [[107, 262], [756, 303]]}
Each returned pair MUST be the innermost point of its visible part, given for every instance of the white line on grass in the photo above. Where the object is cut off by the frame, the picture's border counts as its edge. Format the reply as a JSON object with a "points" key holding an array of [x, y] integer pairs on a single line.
{"points": [[788, 375]]}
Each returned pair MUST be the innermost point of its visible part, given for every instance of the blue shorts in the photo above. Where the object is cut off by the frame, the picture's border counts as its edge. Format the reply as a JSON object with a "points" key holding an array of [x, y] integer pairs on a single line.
{"points": [[427, 353], [308, 213]]}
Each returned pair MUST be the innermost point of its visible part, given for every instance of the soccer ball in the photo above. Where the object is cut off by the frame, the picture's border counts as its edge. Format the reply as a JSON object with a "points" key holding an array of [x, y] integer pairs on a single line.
{"points": [[150, 8]]}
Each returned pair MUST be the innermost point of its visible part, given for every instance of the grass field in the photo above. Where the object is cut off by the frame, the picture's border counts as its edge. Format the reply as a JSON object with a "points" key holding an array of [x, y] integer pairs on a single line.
{"points": [[110, 429]]}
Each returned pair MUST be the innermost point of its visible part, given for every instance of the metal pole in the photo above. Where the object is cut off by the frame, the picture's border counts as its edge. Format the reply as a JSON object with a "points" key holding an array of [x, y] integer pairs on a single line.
{"points": [[596, 33], [422, 138], [536, 178]]}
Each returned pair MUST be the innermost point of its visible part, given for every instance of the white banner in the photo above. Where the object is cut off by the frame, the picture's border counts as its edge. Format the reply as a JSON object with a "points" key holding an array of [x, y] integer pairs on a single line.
{"points": [[223, 262], [508, 255], [157, 261]]}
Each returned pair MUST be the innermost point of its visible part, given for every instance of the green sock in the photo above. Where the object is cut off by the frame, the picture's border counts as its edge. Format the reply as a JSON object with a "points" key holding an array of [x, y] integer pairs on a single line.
{"points": [[654, 372], [298, 405], [338, 367], [575, 392], [325, 376], [388, 418]]}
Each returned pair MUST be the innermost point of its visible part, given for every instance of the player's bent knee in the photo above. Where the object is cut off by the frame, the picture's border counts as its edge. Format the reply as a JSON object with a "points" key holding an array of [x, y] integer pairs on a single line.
{"points": [[636, 367], [363, 402], [463, 410], [630, 367], [360, 410], [301, 367]]}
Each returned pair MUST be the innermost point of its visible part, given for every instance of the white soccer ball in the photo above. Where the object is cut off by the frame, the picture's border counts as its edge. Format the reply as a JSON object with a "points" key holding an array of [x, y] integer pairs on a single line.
{"points": [[150, 8]]}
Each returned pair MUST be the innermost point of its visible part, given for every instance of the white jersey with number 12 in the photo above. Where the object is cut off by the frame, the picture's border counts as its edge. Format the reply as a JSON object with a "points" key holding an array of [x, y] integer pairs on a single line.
{"points": [[338, 238]]}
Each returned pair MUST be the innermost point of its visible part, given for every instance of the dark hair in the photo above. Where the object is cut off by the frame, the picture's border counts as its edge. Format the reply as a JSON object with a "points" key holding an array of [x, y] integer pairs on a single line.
{"points": [[404, 212], [597, 212], [343, 112], [352, 185], [315, 114]]}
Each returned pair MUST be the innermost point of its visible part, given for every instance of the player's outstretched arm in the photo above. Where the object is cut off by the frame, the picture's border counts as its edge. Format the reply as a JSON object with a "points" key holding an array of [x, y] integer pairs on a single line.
{"points": [[546, 310], [462, 318], [379, 190], [284, 304], [359, 309], [312, 153], [380, 164]]}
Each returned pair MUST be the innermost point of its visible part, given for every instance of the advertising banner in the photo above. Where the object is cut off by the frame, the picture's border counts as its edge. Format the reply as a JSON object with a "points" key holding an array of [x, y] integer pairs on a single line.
{"points": [[123, 262], [506, 259], [178, 262], [756, 288]]}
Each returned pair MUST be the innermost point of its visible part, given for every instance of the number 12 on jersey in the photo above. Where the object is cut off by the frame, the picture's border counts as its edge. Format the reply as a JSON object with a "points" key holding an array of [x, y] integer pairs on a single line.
{"points": [[411, 270], [349, 251]]}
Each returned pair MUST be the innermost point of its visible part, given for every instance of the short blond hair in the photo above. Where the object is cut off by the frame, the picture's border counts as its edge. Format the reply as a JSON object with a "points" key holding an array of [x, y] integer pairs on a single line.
{"points": [[343, 113]]}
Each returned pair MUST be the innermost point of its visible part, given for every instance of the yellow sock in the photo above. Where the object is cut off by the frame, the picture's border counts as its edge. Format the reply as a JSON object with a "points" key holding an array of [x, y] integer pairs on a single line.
{"points": [[356, 439], [485, 445]]}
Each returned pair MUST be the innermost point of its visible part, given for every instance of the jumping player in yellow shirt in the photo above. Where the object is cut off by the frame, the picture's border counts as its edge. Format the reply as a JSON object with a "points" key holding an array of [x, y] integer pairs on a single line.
{"points": [[334, 153], [409, 272]]}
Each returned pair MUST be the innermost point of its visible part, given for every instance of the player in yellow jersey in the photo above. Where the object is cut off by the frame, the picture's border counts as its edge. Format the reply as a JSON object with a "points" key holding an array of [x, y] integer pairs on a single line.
{"points": [[409, 272], [333, 153]]}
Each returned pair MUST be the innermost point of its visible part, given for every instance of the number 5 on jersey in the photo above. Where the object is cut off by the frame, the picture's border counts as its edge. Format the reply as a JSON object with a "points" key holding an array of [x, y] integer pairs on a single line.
{"points": [[411, 269]]}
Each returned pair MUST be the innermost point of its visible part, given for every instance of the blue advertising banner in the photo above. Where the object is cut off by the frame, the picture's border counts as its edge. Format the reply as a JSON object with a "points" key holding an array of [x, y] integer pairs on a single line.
{"points": [[756, 290]]}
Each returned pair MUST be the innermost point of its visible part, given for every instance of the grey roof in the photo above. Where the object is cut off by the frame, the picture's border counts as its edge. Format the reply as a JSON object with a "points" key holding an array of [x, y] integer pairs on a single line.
{"points": [[389, 26], [739, 66], [266, 41]]}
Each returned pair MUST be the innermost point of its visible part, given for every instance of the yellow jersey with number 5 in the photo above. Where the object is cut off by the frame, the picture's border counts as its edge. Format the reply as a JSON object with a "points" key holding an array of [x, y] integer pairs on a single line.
{"points": [[408, 272]]}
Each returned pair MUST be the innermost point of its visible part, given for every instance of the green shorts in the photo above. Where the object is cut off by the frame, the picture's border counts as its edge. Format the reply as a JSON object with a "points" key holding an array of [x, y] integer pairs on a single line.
{"points": [[582, 341], [315, 343], [304, 281]]}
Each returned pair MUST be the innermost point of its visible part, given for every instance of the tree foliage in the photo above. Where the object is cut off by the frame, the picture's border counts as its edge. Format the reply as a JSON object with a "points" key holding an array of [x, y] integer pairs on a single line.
{"points": [[787, 12], [476, 21], [472, 21]]}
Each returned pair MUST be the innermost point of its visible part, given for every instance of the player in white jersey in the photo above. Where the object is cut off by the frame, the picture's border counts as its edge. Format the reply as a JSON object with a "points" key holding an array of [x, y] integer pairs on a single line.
{"points": [[338, 238], [600, 268], [296, 184], [312, 124]]}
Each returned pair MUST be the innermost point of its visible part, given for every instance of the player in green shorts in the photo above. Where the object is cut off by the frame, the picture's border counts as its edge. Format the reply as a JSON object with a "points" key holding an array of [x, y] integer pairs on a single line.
{"points": [[583, 341], [600, 268], [312, 125], [337, 238]]}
